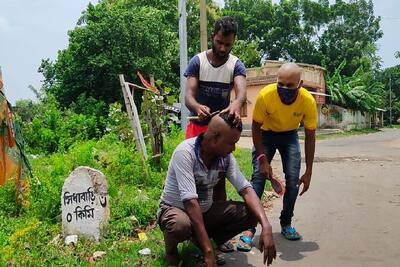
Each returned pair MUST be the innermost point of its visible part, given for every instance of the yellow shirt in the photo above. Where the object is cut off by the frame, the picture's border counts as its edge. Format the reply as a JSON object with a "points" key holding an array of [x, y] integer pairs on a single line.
{"points": [[278, 117]]}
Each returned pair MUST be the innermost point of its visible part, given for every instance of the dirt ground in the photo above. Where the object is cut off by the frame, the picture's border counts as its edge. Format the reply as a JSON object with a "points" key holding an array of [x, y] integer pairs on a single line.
{"points": [[351, 214]]}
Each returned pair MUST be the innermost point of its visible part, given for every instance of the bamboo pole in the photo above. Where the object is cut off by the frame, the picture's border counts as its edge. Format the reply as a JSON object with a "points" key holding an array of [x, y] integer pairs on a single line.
{"points": [[134, 119]]}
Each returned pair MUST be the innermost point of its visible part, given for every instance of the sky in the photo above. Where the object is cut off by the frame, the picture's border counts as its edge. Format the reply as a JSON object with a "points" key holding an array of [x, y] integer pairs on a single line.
{"points": [[36, 29]]}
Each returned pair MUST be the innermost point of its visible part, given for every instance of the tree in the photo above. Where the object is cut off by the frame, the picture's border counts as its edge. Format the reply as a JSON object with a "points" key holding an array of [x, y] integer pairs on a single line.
{"points": [[113, 37], [360, 91], [390, 77], [351, 35], [313, 32]]}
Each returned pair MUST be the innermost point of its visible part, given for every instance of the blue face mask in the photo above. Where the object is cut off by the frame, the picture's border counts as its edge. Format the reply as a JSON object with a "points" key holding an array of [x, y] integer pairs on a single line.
{"points": [[287, 95]]}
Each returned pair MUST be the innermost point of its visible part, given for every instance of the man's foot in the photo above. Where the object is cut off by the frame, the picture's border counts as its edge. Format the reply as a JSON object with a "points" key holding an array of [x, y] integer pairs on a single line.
{"points": [[245, 243], [219, 259], [290, 233], [226, 247]]}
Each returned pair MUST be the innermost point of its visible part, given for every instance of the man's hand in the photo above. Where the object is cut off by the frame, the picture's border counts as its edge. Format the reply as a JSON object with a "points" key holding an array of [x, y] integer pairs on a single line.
{"points": [[267, 245], [203, 111], [305, 180], [234, 110], [265, 168]]}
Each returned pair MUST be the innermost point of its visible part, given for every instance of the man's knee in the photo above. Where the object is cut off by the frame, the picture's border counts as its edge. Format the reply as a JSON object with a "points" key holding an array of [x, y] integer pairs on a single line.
{"points": [[291, 183], [180, 228]]}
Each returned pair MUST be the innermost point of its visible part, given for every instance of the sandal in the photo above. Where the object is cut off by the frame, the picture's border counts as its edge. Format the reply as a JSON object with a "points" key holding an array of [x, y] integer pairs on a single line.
{"points": [[278, 186], [226, 247], [245, 243], [219, 259], [290, 233]]}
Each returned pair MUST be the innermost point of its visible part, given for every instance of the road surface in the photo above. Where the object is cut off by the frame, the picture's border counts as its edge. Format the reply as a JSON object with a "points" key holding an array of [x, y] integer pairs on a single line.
{"points": [[351, 214]]}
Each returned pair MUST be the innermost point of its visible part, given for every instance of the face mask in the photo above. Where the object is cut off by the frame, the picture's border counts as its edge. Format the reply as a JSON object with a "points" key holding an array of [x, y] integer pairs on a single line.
{"points": [[287, 96]]}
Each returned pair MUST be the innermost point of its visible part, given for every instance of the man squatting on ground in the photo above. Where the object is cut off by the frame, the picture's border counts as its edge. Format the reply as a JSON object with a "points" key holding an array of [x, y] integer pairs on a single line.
{"points": [[278, 112], [187, 210]]}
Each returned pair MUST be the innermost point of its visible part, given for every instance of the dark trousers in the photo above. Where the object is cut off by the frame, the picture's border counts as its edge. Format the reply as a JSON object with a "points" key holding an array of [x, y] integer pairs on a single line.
{"points": [[289, 148], [224, 220]]}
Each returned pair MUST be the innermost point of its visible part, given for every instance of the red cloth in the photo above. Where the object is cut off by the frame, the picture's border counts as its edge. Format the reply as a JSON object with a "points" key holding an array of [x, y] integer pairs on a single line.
{"points": [[194, 130]]}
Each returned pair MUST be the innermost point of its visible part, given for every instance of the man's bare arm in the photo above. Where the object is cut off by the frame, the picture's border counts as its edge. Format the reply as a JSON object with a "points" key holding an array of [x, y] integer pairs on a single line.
{"points": [[309, 147], [191, 103], [266, 241], [265, 168], [239, 83]]}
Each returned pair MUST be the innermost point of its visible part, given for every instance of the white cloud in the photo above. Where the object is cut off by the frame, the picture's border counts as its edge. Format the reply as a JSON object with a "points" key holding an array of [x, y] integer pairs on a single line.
{"points": [[4, 25]]}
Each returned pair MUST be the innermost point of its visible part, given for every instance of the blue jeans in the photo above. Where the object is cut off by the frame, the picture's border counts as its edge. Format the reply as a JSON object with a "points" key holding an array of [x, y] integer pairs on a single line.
{"points": [[287, 143]]}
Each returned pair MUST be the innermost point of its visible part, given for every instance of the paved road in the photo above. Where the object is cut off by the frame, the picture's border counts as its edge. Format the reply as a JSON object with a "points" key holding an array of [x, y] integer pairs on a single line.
{"points": [[351, 214]]}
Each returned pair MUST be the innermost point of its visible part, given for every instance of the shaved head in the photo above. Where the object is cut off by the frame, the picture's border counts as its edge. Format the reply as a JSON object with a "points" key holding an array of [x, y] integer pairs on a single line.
{"points": [[222, 135], [289, 74]]}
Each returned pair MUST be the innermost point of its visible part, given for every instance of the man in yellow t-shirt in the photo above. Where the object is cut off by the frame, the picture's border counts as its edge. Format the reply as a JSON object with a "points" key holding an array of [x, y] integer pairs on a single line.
{"points": [[278, 112]]}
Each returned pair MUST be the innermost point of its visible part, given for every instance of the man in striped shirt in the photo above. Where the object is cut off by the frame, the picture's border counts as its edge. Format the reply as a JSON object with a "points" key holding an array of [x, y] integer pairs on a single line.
{"points": [[211, 75], [187, 210]]}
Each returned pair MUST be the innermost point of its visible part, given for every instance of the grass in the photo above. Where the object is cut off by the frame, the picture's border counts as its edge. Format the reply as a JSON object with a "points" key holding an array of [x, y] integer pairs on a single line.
{"points": [[32, 236], [321, 136], [347, 133]]}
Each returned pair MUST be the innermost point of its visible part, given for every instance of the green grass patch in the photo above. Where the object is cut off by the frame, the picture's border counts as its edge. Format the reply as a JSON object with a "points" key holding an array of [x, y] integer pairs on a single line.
{"points": [[322, 136], [32, 236]]}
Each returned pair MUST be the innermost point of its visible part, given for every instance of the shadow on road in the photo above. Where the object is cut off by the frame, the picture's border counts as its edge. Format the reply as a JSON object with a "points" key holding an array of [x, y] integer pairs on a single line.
{"points": [[290, 250]]}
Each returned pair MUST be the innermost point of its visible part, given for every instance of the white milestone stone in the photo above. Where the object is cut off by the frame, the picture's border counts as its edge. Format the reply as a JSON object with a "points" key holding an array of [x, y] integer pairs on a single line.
{"points": [[85, 204]]}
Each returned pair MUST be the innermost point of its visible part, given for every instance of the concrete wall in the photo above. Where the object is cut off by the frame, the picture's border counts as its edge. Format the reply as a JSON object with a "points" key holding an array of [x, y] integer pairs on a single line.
{"points": [[332, 116]]}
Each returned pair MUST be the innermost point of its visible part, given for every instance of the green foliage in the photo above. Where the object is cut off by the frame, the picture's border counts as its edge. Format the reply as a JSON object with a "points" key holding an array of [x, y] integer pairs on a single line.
{"points": [[307, 31], [358, 92], [131, 194], [52, 129], [390, 77], [111, 38], [248, 53]]}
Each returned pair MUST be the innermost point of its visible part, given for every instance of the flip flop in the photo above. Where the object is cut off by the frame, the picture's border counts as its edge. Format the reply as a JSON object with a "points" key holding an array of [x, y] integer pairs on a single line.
{"points": [[219, 259], [290, 233], [245, 243], [226, 247], [278, 186]]}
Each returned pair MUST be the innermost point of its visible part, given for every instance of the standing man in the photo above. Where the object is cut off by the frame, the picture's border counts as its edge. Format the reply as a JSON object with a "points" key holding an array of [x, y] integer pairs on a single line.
{"points": [[278, 112], [187, 210], [211, 75]]}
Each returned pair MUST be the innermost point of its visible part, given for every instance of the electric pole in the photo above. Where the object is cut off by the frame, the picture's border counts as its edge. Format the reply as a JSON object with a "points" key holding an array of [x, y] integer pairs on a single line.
{"points": [[390, 100], [183, 61], [203, 25]]}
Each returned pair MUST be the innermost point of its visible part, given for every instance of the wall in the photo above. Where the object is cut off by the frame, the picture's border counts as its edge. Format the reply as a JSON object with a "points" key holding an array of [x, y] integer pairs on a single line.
{"points": [[332, 116]]}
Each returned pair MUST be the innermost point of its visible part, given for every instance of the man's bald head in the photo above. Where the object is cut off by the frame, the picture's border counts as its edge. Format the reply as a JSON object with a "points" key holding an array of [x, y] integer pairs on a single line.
{"points": [[222, 123], [222, 134], [289, 75]]}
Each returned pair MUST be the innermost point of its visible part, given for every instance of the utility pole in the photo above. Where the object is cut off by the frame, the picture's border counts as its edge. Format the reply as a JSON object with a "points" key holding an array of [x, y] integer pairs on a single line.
{"points": [[183, 61], [203, 25], [390, 100], [1, 80]]}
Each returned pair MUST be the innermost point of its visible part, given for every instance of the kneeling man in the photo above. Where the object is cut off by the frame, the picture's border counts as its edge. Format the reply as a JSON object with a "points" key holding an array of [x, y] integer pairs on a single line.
{"points": [[187, 210]]}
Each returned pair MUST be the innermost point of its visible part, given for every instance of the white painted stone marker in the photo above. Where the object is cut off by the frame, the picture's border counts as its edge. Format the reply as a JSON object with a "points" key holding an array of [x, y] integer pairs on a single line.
{"points": [[85, 204]]}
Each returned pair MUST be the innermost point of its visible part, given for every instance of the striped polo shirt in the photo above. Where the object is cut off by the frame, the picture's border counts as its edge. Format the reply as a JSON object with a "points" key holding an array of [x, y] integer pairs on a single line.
{"points": [[215, 83], [188, 177]]}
